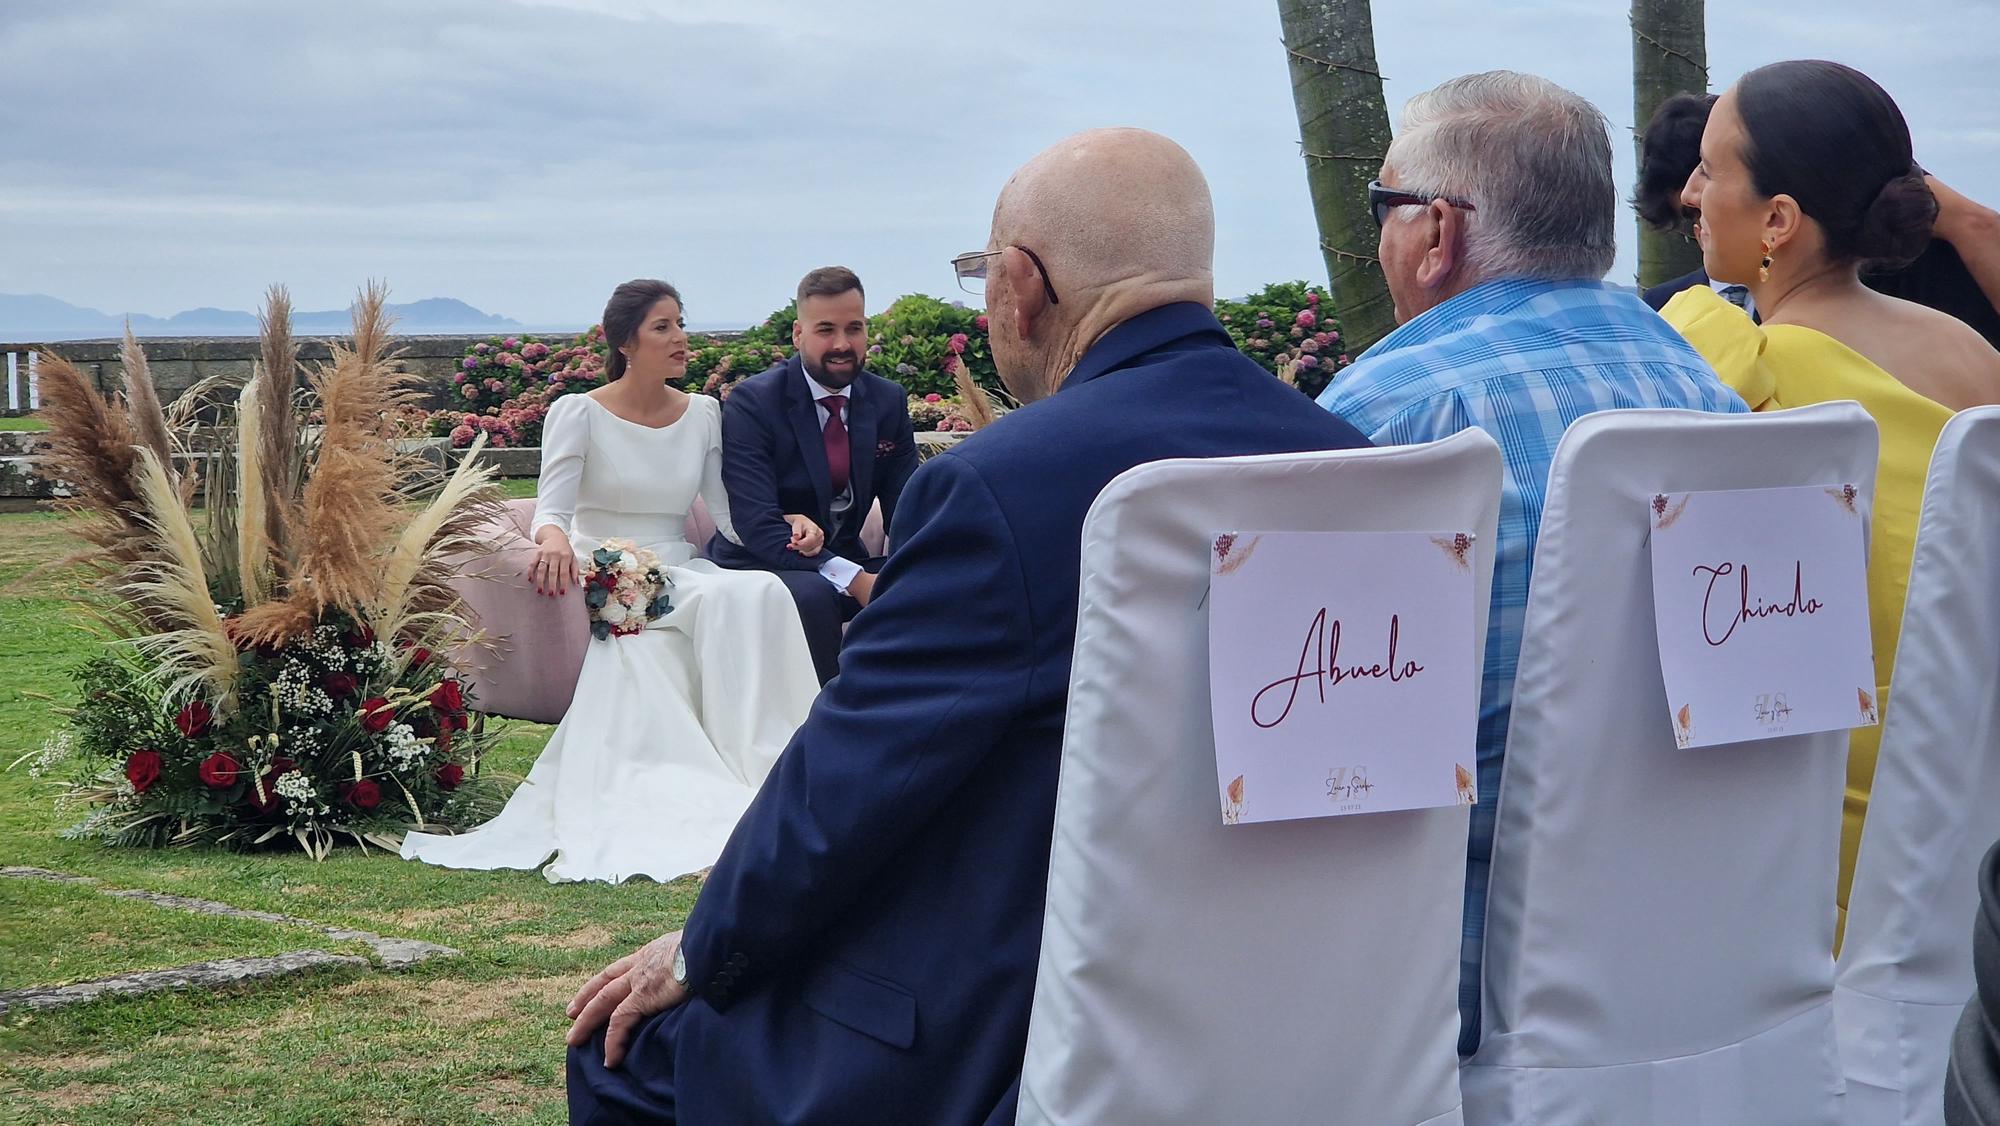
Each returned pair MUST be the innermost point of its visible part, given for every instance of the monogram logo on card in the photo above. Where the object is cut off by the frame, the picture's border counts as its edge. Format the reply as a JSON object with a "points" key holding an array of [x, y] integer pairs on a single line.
{"points": [[1347, 787]]}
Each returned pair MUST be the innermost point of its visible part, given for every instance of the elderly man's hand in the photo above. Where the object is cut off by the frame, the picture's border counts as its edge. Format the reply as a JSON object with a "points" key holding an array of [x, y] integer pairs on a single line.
{"points": [[626, 992]]}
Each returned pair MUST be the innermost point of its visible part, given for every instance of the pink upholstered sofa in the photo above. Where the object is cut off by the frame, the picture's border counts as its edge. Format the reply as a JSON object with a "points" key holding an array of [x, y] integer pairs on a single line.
{"points": [[530, 650]]}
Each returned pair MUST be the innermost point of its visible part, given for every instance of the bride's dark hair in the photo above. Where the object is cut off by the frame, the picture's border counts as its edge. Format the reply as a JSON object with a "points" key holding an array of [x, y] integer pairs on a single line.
{"points": [[623, 315], [1829, 137]]}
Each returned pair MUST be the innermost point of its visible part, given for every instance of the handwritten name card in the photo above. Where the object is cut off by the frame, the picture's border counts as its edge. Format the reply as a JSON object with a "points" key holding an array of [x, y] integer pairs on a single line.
{"points": [[1760, 600], [1341, 672]]}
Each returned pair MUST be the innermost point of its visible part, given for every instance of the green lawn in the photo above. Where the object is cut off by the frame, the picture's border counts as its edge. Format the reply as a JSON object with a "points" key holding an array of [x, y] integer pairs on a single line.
{"points": [[472, 1039], [24, 422]]}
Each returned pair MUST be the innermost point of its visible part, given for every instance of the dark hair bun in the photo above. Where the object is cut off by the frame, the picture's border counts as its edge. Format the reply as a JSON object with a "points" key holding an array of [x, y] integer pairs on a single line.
{"points": [[1897, 225], [1669, 148]]}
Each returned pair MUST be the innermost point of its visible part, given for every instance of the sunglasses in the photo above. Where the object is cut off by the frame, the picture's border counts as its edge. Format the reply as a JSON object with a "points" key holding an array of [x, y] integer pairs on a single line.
{"points": [[1381, 199]]}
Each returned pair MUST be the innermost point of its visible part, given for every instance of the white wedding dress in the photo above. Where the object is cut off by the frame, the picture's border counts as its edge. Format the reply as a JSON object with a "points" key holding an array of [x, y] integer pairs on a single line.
{"points": [[672, 729]]}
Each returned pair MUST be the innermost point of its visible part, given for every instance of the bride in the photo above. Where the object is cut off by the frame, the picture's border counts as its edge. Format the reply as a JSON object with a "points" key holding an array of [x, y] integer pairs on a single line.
{"points": [[672, 728]]}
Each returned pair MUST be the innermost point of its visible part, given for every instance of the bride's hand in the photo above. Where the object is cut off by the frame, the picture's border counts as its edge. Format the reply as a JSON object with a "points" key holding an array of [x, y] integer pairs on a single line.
{"points": [[807, 538], [554, 568]]}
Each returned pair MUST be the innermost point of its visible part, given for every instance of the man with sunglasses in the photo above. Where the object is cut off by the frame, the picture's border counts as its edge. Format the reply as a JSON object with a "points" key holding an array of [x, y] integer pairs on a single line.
{"points": [[1499, 216], [865, 949]]}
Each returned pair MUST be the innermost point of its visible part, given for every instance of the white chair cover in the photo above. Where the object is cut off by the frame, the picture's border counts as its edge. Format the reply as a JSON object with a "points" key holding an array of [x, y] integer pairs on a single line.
{"points": [[1905, 967], [1302, 971], [1659, 927]]}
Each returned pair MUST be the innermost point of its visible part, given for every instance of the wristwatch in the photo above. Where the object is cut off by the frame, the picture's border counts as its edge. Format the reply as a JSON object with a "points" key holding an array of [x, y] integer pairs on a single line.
{"points": [[680, 967]]}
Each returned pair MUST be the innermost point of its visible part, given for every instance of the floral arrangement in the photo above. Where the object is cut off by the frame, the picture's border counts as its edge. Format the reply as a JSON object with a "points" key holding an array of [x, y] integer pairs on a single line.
{"points": [[625, 587], [273, 673]]}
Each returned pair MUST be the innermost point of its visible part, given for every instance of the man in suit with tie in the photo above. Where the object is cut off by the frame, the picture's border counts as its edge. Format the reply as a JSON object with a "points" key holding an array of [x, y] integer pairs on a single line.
{"points": [[865, 948], [816, 434]]}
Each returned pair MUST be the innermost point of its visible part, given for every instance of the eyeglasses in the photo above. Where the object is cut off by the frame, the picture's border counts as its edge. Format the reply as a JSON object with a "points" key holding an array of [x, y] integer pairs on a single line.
{"points": [[971, 269], [1381, 199]]}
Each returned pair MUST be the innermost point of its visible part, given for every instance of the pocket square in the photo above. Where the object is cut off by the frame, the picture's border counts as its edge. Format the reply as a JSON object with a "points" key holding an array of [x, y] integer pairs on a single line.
{"points": [[885, 448]]}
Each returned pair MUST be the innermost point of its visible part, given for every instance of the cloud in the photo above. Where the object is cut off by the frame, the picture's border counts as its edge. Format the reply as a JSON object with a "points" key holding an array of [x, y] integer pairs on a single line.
{"points": [[526, 155]]}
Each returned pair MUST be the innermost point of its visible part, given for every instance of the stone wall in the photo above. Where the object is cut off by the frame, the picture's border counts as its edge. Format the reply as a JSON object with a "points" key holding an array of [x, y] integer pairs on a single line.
{"points": [[177, 363]]}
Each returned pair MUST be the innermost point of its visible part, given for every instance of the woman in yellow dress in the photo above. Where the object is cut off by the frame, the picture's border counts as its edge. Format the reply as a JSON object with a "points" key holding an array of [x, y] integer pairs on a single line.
{"points": [[1806, 174]]}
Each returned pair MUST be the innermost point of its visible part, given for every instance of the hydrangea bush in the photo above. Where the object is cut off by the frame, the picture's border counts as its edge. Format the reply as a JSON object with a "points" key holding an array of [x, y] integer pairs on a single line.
{"points": [[505, 385]]}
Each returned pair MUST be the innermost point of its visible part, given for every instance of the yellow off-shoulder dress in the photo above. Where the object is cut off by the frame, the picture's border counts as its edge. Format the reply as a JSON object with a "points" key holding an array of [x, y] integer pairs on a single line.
{"points": [[1778, 366]]}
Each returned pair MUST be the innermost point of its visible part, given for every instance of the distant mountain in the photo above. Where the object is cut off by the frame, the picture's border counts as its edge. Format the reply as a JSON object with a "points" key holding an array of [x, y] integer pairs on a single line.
{"points": [[34, 317]]}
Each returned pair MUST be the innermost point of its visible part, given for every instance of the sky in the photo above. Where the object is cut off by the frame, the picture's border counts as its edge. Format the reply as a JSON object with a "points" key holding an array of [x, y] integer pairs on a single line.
{"points": [[527, 155]]}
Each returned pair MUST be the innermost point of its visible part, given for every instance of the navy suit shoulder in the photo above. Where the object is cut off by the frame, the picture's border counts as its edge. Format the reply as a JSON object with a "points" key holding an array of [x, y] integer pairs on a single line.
{"points": [[1657, 297]]}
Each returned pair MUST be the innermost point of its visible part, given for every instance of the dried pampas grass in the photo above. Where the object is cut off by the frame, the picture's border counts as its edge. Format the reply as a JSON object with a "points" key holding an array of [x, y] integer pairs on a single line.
{"points": [[980, 408], [91, 450], [279, 456], [142, 401], [192, 650], [415, 593]]}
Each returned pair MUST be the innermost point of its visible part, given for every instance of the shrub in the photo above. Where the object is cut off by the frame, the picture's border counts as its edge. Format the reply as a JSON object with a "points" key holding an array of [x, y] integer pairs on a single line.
{"points": [[1283, 325]]}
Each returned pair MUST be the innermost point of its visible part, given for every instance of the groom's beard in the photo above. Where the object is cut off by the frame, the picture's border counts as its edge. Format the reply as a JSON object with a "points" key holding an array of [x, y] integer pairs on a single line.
{"points": [[837, 379]]}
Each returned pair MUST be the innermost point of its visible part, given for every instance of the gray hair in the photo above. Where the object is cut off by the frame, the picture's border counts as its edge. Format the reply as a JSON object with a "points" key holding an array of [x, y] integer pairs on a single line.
{"points": [[1532, 158]]}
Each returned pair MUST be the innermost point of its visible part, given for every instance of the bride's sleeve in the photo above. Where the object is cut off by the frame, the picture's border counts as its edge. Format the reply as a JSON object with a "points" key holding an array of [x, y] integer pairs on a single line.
{"points": [[712, 493], [565, 439]]}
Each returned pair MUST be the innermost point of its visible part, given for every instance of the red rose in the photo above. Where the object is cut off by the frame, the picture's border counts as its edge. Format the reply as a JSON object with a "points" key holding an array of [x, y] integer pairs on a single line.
{"points": [[447, 697], [450, 774], [362, 795], [264, 795], [360, 637], [142, 770], [376, 714], [219, 771], [419, 657], [340, 685], [457, 722], [194, 720]]}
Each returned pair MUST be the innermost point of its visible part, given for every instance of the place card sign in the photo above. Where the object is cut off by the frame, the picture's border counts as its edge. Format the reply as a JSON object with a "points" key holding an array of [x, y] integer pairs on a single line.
{"points": [[1760, 602], [1341, 672]]}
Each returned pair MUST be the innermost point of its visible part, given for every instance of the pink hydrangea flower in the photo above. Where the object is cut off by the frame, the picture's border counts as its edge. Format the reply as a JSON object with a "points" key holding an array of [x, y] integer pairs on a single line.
{"points": [[1309, 361], [1306, 318], [535, 351], [511, 343], [1309, 345], [469, 391], [980, 322], [458, 377], [957, 343], [934, 397], [471, 362], [1312, 298]]}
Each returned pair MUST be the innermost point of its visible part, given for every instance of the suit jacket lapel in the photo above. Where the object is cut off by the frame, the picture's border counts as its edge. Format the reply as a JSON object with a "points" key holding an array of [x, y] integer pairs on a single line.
{"points": [[861, 452], [812, 439]]}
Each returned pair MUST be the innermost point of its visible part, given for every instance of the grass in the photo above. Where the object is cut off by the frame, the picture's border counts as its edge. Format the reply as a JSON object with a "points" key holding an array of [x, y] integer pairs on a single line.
{"points": [[23, 422], [471, 1039]]}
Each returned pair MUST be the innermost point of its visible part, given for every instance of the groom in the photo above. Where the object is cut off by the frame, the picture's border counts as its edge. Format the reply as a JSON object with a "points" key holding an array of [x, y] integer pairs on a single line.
{"points": [[865, 949], [817, 435]]}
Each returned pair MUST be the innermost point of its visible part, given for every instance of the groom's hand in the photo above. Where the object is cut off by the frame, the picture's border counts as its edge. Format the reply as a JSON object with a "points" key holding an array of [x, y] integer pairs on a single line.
{"points": [[624, 993]]}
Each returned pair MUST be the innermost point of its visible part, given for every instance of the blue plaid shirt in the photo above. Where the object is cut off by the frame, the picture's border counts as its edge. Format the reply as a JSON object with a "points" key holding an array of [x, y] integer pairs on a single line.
{"points": [[1521, 359]]}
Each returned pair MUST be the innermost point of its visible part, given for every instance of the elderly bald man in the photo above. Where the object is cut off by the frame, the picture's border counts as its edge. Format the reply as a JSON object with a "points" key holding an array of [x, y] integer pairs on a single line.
{"points": [[865, 949]]}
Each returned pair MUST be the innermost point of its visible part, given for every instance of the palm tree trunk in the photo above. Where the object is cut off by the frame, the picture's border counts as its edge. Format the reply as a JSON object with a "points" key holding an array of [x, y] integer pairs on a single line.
{"points": [[1669, 56], [1344, 131]]}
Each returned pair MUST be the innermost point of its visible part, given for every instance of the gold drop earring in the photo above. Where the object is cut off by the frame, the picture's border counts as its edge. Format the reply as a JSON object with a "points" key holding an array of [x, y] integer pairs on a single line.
{"points": [[1764, 268]]}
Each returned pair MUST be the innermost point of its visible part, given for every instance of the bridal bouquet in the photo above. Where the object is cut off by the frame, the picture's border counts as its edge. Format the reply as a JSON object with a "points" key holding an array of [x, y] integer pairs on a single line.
{"points": [[276, 668], [625, 587]]}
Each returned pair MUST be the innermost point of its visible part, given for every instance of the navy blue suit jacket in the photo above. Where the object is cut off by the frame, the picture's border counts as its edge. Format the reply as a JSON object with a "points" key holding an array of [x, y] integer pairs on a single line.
{"points": [[774, 462], [1656, 298], [865, 948]]}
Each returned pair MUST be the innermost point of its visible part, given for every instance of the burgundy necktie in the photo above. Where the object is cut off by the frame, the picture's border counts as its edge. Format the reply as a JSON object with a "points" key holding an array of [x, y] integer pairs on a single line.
{"points": [[836, 442]]}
